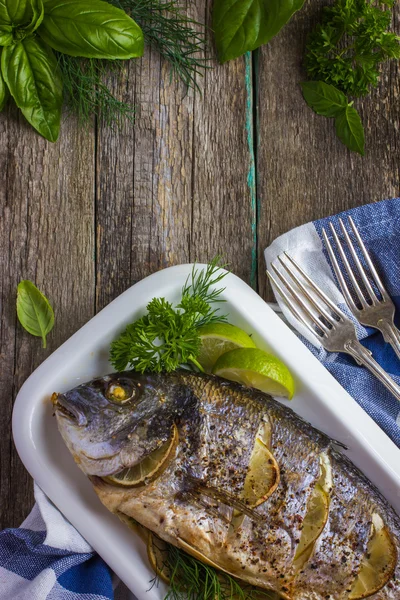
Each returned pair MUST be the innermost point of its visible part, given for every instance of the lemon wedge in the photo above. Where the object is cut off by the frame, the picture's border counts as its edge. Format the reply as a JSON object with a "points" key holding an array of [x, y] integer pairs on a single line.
{"points": [[314, 521], [157, 553], [378, 563], [317, 513], [150, 467], [262, 477]]}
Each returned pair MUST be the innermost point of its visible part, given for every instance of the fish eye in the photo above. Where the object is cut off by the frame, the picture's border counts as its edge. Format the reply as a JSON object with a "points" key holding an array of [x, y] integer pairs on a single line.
{"points": [[120, 392]]}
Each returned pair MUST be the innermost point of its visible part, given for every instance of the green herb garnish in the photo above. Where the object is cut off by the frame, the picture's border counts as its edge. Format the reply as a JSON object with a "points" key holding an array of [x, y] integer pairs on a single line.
{"points": [[34, 311], [167, 336], [30, 33], [347, 48], [62, 50], [194, 580], [173, 34], [345, 52], [86, 93]]}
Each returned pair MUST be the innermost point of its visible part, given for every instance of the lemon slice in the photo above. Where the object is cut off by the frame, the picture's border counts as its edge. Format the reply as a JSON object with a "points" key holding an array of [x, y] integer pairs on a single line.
{"points": [[255, 368], [218, 338], [314, 521], [262, 477], [317, 513], [150, 467], [378, 563], [157, 552]]}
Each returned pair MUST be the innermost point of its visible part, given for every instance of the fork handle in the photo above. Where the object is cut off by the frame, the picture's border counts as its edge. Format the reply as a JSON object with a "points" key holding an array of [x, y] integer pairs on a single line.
{"points": [[391, 334], [363, 356]]}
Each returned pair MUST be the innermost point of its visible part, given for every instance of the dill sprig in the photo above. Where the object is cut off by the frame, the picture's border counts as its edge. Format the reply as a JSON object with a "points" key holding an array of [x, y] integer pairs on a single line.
{"points": [[167, 337], [179, 39], [166, 28], [194, 580], [86, 93]]}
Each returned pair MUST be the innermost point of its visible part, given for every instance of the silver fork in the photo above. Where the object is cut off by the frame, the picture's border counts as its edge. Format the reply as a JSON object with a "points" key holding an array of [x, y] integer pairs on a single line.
{"points": [[375, 312], [312, 307]]}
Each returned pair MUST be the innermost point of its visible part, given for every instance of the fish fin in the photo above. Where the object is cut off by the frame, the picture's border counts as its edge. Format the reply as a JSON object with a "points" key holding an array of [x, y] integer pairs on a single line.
{"points": [[224, 497]]}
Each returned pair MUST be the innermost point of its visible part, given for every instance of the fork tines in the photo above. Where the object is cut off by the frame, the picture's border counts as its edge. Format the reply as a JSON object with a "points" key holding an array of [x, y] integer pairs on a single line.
{"points": [[307, 302], [369, 296]]}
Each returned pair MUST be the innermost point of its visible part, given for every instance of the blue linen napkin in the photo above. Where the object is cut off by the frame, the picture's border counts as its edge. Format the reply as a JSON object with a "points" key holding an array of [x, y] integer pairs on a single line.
{"points": [[379, 227], [47, 559]]}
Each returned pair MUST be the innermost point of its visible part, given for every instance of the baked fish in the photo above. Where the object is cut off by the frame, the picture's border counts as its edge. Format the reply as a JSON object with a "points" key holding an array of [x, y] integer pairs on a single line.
{"points": [[236, 479]]}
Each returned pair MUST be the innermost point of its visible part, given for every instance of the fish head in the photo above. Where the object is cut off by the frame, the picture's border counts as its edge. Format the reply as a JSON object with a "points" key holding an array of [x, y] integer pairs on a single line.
{"points": [[115, 421]]}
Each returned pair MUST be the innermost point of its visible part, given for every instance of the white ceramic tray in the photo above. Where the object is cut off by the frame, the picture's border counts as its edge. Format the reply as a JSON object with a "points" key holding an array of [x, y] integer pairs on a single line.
{"points": [[319, 399]]}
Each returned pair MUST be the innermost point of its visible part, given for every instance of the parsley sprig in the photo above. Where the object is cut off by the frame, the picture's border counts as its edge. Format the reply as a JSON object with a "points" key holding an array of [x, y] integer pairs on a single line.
{"points": [[348, 46], [345, 51], [167, 336]]}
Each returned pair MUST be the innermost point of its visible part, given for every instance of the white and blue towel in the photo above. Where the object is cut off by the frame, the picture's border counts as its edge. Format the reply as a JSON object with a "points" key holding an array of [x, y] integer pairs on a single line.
{"points": [[47, 559], [379, 227]]}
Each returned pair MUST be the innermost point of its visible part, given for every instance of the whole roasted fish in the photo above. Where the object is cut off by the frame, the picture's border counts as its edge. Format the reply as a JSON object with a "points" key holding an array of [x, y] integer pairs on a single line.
{"points": [[306, 523]]}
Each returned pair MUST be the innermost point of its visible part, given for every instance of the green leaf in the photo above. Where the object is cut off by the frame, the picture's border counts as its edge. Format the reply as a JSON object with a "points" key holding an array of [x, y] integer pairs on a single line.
{"points": [[18, 19], [4, 93], [31, 73], [350, 130], [90, 28], [6, 35], [324, 99], [34, 311], [243, 25]]}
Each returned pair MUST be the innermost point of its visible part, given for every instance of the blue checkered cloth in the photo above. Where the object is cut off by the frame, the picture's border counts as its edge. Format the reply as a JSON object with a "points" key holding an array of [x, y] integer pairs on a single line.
{"points": [[379, 227], [46, 558]]}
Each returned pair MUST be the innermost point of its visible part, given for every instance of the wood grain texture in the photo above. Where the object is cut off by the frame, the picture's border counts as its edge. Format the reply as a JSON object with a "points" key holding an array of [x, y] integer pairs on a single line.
{"points": [[46, 235], [303, 170], [174, 188], [223, 195], [89, 216]]}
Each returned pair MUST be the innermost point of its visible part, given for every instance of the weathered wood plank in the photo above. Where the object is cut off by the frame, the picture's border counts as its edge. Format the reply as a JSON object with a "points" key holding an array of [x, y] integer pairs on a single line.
{"points": [[303, 171], [174, 187], [223, 197], [143, 181], [46, 235]]}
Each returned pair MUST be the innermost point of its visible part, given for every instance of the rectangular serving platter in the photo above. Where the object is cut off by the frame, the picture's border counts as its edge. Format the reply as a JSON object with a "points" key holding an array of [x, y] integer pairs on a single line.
{"points": [[319, 398]]}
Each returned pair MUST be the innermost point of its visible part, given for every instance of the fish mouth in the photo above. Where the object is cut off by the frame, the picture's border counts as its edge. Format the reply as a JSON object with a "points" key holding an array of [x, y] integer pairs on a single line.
{"points": [[67, 410]]}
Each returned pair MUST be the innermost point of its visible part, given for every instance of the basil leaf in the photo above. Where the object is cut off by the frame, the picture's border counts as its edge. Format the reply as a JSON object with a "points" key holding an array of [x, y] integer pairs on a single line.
{"points": [[31, 72], [90, 28], [350, 130], [37, 16], [4, 93], [34, 311], [21, 15], [242, 25], [324, 99], [15, 12], [6, 35]]}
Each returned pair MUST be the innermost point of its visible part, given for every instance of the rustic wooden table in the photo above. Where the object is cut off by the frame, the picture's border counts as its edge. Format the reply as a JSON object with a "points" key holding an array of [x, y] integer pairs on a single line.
{"points": [[222, 171]]}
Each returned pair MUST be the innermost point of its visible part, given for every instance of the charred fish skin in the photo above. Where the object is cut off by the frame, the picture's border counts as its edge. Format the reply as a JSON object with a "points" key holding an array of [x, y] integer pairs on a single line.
{"points": [[191, 504]]}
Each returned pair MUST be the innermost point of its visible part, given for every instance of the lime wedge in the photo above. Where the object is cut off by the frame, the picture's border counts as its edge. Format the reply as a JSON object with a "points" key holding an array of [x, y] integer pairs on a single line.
{"points": [[255, 368], [218, 338]]}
